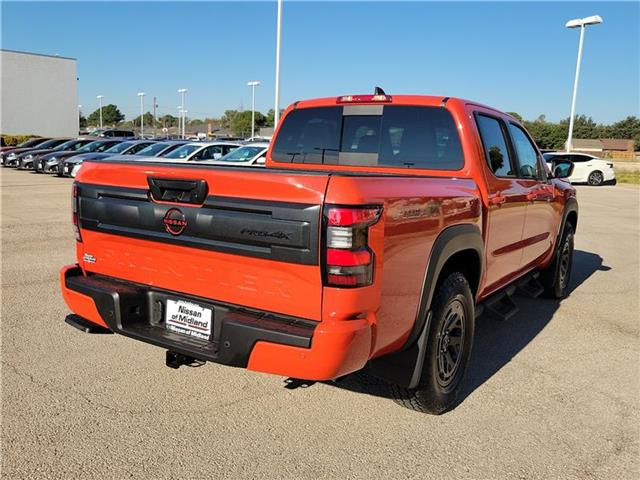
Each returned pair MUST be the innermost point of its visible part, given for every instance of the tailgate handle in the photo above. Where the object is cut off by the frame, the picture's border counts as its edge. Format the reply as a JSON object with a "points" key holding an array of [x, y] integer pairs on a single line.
{"points": [[178, 191]]}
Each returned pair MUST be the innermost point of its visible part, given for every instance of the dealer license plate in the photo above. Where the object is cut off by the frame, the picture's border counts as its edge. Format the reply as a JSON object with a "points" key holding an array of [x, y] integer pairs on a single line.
{"points": [[188, 319]]}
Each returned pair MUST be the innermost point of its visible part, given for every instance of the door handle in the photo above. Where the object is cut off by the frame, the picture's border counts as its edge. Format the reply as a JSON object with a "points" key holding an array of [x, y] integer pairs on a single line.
{"points": [[497, 200]]}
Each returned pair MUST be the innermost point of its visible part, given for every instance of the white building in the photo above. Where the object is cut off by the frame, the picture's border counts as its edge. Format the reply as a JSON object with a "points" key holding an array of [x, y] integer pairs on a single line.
{"points": [[39, 95]]}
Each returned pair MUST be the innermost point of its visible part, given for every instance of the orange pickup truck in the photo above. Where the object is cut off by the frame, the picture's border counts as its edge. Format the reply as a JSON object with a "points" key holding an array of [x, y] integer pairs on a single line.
{"points": [[381, 227]]}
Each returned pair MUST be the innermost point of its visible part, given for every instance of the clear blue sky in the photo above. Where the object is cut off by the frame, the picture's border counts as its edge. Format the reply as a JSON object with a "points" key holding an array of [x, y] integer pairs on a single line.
{"points": [[512, 55]]}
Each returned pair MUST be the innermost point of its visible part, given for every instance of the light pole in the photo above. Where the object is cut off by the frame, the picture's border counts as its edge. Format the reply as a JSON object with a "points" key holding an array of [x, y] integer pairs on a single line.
{"points": [[184, 123], [79, 115], [182, 92], [179, 121], [253, 84], [141, 95], [100, 97], [575, 23], [155, 119], [276, 115]]}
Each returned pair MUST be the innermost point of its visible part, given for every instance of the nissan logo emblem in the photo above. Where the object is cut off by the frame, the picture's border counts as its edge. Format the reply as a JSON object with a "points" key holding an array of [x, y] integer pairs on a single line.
{"points": [[174, 221]]}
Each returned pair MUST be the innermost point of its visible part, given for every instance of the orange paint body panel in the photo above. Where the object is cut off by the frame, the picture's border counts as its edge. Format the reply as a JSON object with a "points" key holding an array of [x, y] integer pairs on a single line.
{"points": [[279, 287], [415, 210], [78, 303]]}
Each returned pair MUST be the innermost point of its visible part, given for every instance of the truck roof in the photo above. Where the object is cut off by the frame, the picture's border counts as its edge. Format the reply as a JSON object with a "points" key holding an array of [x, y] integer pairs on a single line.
{"points": [[425, 100]]}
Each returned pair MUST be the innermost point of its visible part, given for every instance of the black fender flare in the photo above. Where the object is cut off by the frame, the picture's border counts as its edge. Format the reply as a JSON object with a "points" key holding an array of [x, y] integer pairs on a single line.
{"points": [[571, 206], [404, 367]]}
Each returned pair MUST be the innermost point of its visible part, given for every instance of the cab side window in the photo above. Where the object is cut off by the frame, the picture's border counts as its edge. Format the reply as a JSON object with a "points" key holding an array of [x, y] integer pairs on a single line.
{"points": [[526, 153], [495, 146]]}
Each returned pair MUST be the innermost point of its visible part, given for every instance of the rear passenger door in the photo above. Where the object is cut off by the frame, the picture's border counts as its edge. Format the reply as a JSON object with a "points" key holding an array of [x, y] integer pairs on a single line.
{"points": [[507, 203], [581, 168], [541, 218]]}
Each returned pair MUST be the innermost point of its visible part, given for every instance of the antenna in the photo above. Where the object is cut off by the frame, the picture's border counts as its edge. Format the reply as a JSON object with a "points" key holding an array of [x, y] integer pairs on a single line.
{"points": [[378, 91]]}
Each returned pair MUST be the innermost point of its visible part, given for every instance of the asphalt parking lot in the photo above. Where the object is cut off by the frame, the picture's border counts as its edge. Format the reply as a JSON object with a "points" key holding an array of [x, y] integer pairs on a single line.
{"points": [[552, 393]]}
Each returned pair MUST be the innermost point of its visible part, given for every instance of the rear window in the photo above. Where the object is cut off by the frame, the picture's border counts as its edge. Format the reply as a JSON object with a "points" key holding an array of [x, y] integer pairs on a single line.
{"points": [[370, 135]]}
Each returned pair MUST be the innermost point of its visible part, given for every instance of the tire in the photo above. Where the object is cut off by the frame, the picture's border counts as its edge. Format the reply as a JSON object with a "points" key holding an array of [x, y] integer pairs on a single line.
{"points": [[443, 371], [556, 278], [596, 178]]}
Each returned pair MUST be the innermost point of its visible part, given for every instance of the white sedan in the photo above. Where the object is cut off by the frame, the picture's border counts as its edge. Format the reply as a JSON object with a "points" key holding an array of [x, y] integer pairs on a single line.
{"points": [[586, 168], [252, 154], [200, 151]]}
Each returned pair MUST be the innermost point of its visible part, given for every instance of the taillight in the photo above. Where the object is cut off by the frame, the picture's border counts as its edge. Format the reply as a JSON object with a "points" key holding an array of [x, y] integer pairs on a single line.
{"points": [[364, 99], [74, 211], [348, 260]]}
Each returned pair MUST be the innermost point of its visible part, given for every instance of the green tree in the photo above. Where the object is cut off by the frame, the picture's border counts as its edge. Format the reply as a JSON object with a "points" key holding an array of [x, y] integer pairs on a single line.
{"points": [[240, 123], [627, 128], [148, 120], [516, 115], [82, 121], [583, 127], [271, 117], [547, 135], [225, 121], [110, 116], [168, 121]]}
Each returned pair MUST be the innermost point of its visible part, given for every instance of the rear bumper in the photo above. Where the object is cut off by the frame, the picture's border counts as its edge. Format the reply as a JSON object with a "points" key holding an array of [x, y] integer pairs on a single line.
{"points": [[259, 341], [609, 174]]}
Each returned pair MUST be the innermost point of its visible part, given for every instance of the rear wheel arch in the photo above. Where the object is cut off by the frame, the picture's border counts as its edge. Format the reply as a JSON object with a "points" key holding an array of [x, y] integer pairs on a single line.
{"points": [[572, 218], [569, 215], [459, 248]]}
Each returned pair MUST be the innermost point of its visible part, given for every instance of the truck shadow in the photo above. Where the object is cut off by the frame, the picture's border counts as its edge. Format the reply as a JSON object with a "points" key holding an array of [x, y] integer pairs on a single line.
{"points": [[496, 342]]}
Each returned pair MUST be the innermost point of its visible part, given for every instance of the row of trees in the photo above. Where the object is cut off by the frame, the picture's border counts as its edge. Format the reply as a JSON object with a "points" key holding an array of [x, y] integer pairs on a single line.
{"points": [[548, 135], [239, 122], [552, 135]]}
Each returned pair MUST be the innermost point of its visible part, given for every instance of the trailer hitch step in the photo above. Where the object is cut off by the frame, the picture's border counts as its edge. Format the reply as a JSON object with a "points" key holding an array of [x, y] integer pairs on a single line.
{"points": [[84, 325], [176, 360]]}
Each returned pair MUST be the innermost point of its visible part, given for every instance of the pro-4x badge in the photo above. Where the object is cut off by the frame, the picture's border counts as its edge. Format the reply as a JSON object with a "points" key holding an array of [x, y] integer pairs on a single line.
{"points": [[174, 221]]}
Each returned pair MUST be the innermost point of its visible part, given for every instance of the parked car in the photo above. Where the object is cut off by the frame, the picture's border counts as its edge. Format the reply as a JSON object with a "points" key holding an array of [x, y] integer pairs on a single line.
{"points": [[113, 133], [32, 142], [199, 151], [49, 163], [157, 149], [28, 160], [13, 158], [253, 154], [266, 139], [160, 149], [587, 168], [380, 227], [68, 167]]}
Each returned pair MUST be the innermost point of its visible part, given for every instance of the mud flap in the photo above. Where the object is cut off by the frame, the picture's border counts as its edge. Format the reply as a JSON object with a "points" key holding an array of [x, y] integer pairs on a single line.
{"points": [[404, 368]]}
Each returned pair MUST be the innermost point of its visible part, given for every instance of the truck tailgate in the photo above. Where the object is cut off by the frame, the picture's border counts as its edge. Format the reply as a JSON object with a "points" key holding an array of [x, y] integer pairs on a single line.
{"points": [[239, 243]]}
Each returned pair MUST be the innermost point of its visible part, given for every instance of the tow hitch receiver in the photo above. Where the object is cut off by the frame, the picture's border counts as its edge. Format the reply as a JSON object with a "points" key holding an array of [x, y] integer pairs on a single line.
{"points": [[176, 360]]}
